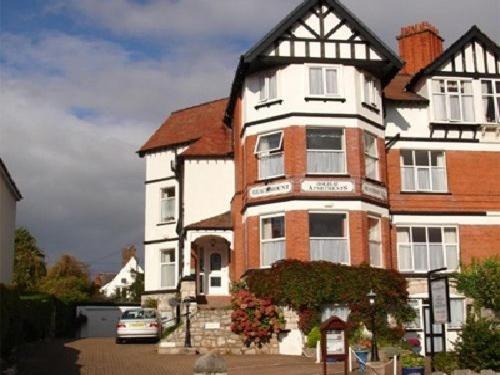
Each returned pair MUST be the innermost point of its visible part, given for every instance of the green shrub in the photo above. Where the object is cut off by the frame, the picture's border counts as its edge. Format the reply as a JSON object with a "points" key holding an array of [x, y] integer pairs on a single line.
{"points": [[151, 303], [412, 361], [313, 337], [10, 323], [478, 345], [37, 311], [446, 362]]}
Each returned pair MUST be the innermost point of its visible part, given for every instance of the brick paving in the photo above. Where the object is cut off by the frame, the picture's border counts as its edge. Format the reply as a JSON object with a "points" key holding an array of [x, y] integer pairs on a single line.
{"points": [[98, 356]]}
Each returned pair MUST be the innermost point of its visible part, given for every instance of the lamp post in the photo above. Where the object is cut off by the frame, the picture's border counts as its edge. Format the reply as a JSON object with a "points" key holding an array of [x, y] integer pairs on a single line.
{"points": [[187, 338], [371, 297]]}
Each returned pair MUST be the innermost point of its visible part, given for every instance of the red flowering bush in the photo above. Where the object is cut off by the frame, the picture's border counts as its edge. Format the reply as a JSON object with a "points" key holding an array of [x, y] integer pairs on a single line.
{"points": [[254, 318]]}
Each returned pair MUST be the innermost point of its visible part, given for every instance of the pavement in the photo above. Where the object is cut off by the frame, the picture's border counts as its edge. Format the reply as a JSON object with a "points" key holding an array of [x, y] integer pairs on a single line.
{"points": [[101, 356]]}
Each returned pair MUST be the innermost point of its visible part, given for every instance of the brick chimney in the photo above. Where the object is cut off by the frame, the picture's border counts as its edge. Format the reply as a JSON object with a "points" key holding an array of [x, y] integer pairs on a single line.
{"points": [[419, 45], [127, 253]]}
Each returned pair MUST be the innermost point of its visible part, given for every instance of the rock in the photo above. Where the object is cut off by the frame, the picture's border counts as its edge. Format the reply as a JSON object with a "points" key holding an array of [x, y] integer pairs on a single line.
{"points": [[210, 363], [488, 372]]}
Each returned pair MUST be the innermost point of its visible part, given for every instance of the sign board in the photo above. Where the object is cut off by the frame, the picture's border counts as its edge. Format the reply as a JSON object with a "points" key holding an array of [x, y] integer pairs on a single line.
{"points": [[440, 298], [373, 190], [271, 189], [335, 342], [327, 186], [212, 325]]}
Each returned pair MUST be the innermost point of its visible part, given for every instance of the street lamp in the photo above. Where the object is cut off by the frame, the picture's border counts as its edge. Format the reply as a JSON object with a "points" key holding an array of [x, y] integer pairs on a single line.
{"points": [[187, 338], [371, 297]]}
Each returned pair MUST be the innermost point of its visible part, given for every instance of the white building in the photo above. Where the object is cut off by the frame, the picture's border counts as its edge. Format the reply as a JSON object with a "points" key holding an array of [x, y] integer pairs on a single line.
{"points": [[9, 196], [123, 279]]}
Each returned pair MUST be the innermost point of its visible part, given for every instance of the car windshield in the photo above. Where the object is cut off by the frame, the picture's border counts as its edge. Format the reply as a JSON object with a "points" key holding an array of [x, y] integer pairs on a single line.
{"points": [[139, 314]]}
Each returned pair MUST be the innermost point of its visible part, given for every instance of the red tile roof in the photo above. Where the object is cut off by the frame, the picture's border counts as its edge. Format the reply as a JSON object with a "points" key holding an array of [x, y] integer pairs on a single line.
{"points": [[222, 221], [201, 125], [395, 90]]}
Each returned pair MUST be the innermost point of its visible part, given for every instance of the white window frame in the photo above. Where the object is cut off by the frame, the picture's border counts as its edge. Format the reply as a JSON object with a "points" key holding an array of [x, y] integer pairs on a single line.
{"points": [[430, 167], [375, 157], [447, 95], [264, 80], [370, 85], [376, 242], [273, 152], [346, 234], [261, 240], [416, 304], [495, 95], [411, 244], [342, 151], [462, 300], [324, 68], [164, 250], [162, 199]]}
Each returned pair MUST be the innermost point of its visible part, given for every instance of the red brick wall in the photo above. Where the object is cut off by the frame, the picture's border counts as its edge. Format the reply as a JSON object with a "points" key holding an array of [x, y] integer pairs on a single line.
{"points": [[479, 241], [297, 235]]}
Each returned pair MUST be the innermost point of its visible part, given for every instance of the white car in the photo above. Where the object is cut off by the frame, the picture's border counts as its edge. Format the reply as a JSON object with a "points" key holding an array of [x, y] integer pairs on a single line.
{"points": [[138, 323]]}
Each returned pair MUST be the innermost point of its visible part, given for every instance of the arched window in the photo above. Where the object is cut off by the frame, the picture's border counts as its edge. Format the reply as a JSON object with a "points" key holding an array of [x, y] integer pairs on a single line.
{"points": [[215, 262]]}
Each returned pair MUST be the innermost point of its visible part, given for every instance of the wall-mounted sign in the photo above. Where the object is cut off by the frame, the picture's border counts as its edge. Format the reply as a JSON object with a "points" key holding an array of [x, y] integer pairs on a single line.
{"points": [[271, 189], [439, 291], [212, 325], [330, 186], [375, 191]]}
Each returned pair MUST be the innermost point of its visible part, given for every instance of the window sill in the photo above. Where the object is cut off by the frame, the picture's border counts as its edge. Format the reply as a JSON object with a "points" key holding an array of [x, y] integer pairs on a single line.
{"points": [[449, 122], [406, 192], [166, 223], [323, 99], [375, 182], [371, 107], [269, 103]]}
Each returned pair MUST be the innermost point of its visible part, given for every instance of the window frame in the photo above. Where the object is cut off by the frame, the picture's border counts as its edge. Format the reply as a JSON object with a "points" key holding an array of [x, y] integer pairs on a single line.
{"points": [[162, 251], [453, 326], [379, 242], [343, 150], [373, 90], [346, 231], [417, 306], [263, 81], [447, 96], [261, 232], [375, 157], [324, 68], [415, 168], [411, 243], [174, 197], [263, 154], [495, 95]]}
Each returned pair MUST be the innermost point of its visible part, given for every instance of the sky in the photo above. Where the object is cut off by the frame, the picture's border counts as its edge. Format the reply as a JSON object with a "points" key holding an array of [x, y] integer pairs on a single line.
{"points": [[84, 83]]}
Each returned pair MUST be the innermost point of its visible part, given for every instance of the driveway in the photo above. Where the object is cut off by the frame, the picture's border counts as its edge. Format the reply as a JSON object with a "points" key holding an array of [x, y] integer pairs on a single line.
{"points": [[104, 357]]}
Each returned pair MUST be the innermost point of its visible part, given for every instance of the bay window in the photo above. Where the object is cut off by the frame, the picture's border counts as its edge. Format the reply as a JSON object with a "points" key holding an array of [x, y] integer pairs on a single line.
{"points": [[453, 100], [375, 241], [424, 248], [423, 171], [490, 89], [323, 81], [272, 240], [269, 152], [167, 204], [328, 237], [371, 157], [268, 86], [167, 268], [325, 151]]}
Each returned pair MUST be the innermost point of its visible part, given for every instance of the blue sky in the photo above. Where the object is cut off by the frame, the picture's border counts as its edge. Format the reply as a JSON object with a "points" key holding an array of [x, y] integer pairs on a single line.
{"points": [[83, 83]]}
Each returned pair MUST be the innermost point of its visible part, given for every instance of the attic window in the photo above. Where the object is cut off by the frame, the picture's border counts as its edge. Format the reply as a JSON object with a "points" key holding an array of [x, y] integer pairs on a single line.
{"points": [[323, 81], [453, 100], [268, 86]]}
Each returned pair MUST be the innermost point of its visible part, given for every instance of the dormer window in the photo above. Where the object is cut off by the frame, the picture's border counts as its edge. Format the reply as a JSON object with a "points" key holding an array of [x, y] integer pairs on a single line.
{"points": [[491, 99], [268, 86], [269, 152], [323, 81], [453, 100]]}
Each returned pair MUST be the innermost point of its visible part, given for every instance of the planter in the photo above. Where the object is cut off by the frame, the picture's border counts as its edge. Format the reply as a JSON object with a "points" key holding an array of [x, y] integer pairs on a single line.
{"points": [[362, 358], [413, 371]]}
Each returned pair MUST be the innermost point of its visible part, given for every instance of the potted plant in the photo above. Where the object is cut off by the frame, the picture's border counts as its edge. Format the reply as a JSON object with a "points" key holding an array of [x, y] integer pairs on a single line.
{"points": [[360, 342], [413, 364]]}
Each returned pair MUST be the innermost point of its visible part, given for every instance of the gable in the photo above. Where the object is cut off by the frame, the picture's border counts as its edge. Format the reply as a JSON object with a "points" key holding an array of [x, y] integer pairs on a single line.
{"points": [[322, 29]]}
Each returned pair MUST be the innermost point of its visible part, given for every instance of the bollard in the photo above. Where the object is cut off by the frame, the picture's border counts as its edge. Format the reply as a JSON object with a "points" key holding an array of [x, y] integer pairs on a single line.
{"points": [[210, 364]]}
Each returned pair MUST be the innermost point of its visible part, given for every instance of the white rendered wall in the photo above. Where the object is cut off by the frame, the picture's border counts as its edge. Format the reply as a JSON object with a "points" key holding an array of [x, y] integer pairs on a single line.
{"points": [[208, 188], [408, 120], [127, 273], [7, 229]]}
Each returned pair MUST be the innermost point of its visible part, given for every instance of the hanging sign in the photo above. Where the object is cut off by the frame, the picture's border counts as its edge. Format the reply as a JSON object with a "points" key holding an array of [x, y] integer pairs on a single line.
{"points": [[374, 191], [440, 299], [327, 186], [271, 189]]}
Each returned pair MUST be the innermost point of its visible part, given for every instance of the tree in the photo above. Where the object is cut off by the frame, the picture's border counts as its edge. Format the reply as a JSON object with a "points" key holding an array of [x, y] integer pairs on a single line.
{"points": [[137, 287], [481, 281], [68, 280], [29, 261]]}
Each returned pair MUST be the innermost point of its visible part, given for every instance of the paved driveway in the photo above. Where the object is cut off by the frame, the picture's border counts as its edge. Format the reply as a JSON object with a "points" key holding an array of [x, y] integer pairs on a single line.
{"points": [[104, 357]]}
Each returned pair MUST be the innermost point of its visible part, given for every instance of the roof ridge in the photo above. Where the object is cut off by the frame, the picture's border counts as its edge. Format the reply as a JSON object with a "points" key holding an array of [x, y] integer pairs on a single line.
{"points": [[199, 105]]}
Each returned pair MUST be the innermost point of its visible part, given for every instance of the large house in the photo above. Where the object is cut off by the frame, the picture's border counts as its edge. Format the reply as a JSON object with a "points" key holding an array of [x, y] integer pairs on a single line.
{"points": [[332, 147], [9, 196]]}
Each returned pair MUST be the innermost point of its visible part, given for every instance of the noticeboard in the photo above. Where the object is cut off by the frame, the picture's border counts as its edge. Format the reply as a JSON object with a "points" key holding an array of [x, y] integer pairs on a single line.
{"points": [[440, 300]]}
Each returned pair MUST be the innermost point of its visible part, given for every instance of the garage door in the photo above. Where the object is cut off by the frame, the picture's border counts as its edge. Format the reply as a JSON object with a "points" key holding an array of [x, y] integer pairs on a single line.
{"points": [[101, 320]]}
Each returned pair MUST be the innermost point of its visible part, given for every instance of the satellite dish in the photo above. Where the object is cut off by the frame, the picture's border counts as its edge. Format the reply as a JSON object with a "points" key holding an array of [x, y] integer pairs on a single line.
{"points": [[173, 302]]}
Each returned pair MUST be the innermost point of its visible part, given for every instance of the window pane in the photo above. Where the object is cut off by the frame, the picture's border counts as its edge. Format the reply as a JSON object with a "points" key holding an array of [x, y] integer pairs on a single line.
{"points": [[435, 235], [407, 157], [331, 250], [271, 166], [273, 89], [438, 179], [316, 81], [262, 88], [374, 231], [455, 107], [424, 178], [437, 159], [273, 227], [325, 162], [331, 81], [324, 139], [486, 87], [497, 86], [370, 145], [167, 275], [489, 108], [269, 142], [408, 178], [215, 281], [367, 89], [450, 235], [456, 312], [375, 255], [439, 102], [468, 108], [422, 158], [436, 256], [452, 86], [451, 257], [272, 252], [418, 234], [404, 257], [420, 257], [215, 262], [168, 256], [438, 86], [466, 87], [326, 225], [403, 235]]}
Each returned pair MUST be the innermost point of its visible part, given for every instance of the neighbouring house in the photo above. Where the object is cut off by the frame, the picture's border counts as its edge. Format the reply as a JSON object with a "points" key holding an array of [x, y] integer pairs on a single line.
{"points": [[9, 196], [332, 147], [119, 284]]}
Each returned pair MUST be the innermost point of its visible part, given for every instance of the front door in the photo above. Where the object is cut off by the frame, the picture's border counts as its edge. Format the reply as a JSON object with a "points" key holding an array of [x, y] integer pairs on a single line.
{"points": [[438, 333], [216, 278]]}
